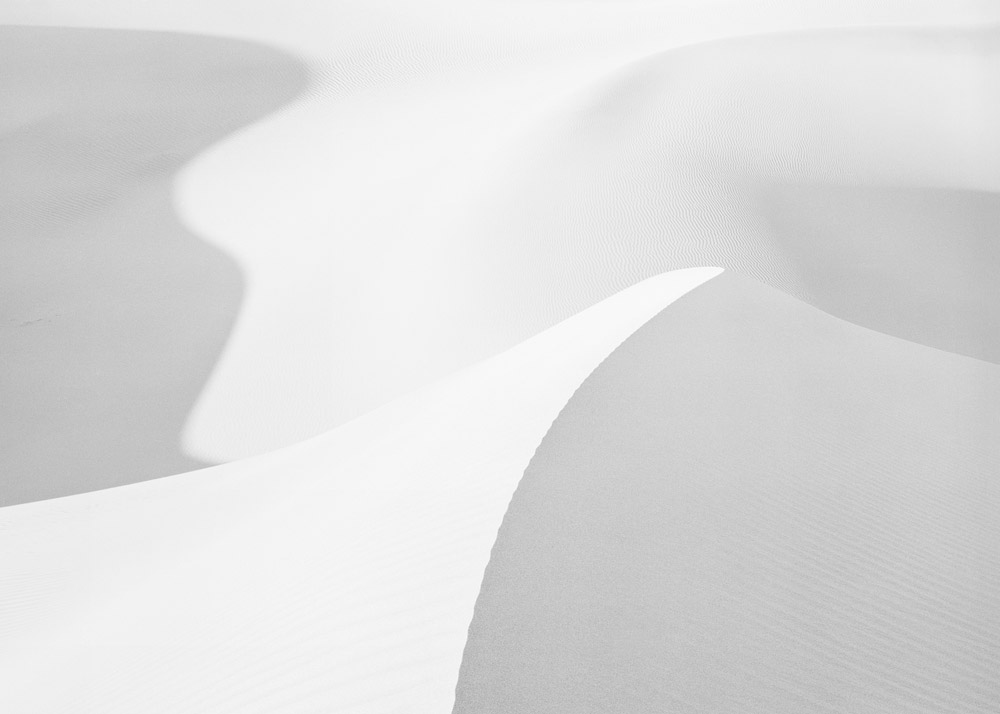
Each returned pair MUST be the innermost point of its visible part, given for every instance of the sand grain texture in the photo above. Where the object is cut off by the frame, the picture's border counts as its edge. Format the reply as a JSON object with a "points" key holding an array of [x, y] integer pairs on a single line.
{"points": [[752, 506]]}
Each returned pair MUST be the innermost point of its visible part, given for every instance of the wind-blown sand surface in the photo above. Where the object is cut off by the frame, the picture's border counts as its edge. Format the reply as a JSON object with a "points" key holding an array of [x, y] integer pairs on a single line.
{"points": [[229, 227], [750, 507]]}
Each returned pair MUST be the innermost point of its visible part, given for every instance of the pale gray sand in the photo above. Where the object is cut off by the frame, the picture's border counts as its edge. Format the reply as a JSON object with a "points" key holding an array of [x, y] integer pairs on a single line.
{"points": [[111, 313], [919, 262], [752, 506], [854, 169]]}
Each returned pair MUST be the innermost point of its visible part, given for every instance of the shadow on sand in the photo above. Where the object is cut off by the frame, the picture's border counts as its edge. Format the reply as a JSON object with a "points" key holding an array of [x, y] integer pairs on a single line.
{"points": [[112, 314]]}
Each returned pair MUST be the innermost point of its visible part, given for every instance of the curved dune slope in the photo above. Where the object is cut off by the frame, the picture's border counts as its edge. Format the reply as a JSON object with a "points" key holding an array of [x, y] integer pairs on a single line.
{"points": [[338, 575], [854, 169], [112, 313], [752, 506], [504, 165], [373, 185], [778, 496], [513, 194]]}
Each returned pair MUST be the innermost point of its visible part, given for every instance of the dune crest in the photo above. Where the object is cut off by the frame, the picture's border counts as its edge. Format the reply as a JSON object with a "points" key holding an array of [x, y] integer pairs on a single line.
{"points": [[855, 169], [339, 574]]}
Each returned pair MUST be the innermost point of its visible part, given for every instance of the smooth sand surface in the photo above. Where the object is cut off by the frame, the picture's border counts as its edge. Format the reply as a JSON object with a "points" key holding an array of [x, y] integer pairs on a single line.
{"points": [[112, 313], [355, 203], [338, 575], [752, 506], [918, 263], [432, 200], [534, 183], [855, 169]]}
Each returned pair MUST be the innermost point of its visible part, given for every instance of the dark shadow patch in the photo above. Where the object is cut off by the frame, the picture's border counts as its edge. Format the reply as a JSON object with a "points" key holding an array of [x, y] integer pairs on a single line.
{"points": [[112, 314]]}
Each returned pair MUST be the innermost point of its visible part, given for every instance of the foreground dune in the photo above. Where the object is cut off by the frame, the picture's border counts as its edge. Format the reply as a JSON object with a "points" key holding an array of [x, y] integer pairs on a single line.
{"points": [[338, 575], [749, 507]]}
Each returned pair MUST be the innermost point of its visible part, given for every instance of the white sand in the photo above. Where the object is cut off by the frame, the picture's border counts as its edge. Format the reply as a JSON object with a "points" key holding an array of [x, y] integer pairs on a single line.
{"points": [[337, 575], [112, 312], [362, 204], [454, 178]]}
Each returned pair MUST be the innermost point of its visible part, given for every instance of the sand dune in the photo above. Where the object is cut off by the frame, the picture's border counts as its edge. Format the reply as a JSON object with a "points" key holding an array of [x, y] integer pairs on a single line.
{"points": [[411, 231], [113, 312], [372, 185], [854, 169], [337, 575], [750, 506], [501, 198], [498, 203]]}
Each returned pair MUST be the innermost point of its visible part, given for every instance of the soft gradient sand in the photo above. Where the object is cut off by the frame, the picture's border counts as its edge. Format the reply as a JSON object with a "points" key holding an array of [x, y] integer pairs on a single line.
{"points": [[287, 213], [855, 169], [536, 185], [112, 313], [441, 193], [752, 506]]}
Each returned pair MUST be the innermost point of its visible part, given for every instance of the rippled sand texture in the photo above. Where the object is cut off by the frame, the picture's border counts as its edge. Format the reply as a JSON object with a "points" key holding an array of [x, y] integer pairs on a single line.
{"points": [[112, 313], [752, 506]]}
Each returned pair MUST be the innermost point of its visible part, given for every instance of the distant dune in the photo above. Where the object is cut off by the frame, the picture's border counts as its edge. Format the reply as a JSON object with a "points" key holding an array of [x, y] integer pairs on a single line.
{"points": [[854, 169], [336, 575], [112, 313]]}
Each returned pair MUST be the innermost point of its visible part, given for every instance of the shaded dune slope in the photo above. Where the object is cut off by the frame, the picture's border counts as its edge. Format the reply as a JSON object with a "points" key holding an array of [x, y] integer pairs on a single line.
{"points": [[853, 169], [918, 263], [112, 314], [752, 506]]}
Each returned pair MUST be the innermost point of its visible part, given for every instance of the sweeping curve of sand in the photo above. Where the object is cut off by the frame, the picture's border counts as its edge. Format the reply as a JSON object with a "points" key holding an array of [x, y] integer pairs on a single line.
{"points": [[366, 251], [112, 313], [552, 191], [336, 575], [372, 186], [747, 507], [854, 169]]}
